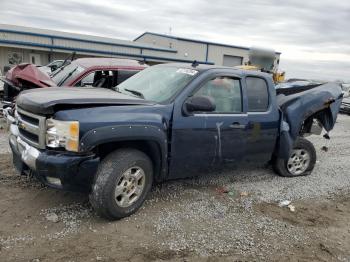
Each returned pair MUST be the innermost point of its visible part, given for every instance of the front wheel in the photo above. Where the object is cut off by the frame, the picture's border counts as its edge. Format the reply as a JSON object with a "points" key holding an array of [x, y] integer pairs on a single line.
{"points": [[122, 183], [301, 161]]}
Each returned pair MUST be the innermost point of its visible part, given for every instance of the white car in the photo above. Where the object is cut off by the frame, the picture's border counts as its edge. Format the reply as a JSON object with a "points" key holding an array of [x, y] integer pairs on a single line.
{"points": [[49, 68], [346, 90], [1, 83]]}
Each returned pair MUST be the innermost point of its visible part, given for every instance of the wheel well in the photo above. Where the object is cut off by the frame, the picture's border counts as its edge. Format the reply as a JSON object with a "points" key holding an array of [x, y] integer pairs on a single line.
{"points": [[150, 148], [321, 116]]}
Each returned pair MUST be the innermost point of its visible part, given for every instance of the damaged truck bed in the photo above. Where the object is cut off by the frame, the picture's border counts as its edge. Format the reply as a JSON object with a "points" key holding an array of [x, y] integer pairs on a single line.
{"points": [[299, 112], [168, 121]]}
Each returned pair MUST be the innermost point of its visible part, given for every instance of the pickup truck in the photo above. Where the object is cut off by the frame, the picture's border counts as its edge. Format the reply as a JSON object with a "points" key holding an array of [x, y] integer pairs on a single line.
{"points": [[168, 121]]}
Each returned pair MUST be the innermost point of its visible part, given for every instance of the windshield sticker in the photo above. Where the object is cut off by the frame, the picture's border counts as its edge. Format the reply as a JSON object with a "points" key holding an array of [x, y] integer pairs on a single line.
{"points": [[186, 71]]}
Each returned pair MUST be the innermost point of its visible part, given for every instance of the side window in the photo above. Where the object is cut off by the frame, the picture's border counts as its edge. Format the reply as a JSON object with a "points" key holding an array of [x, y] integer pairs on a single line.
{"points": [[226, 92], [87, 80], [258, 94]]}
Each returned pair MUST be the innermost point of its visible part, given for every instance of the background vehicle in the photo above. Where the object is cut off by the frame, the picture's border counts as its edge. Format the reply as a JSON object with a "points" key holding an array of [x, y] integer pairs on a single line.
{"points": [[1, 85], [54, 65], [166, 122], [264, 60], [345, 106], [98, 72], [346, 89]]}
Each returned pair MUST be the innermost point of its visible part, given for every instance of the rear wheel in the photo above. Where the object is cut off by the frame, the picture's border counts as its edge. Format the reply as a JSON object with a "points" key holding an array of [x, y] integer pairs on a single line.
{"points": [[301, 161], [122, 183]]}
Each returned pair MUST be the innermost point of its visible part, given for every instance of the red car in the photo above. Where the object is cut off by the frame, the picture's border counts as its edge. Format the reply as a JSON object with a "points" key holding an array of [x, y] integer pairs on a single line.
{"points": [[96, 72]]}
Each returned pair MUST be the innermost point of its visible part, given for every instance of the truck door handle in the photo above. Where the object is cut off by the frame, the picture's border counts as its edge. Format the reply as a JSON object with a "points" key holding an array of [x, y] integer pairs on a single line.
{"points": [[237, 125]]}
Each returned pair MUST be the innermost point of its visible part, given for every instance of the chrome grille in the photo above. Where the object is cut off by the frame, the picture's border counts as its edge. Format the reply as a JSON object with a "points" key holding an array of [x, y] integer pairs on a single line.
{"points": [[31, 128]]}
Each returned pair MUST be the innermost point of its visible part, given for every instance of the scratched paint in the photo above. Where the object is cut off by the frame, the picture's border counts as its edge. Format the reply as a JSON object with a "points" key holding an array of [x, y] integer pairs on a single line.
{"points": [[218, 127], [256, 132], [216, 150]]}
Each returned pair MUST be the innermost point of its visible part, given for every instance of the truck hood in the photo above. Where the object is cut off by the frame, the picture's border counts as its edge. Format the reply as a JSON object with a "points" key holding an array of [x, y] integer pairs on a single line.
{"points": [[29, 73], [50, 100]]}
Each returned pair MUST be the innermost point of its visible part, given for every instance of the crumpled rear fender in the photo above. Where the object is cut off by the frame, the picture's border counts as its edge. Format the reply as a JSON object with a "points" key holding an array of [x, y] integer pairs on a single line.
{"points": [[322, 103]]}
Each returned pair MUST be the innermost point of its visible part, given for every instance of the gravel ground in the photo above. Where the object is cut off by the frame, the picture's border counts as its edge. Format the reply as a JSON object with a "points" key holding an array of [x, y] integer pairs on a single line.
{"points": [[190, 219]]}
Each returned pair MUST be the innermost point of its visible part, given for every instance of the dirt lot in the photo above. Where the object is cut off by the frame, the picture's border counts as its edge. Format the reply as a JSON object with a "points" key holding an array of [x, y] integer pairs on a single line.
{"points": [[189, 220]]}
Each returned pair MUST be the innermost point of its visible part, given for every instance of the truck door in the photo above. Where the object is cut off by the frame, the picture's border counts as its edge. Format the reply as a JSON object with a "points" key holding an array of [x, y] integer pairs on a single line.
{"points": [[263, 120], [201, 141]]}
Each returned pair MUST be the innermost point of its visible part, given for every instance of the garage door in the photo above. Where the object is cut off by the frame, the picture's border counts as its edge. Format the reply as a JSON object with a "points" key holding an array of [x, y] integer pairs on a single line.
{"points": [[230, 60]]}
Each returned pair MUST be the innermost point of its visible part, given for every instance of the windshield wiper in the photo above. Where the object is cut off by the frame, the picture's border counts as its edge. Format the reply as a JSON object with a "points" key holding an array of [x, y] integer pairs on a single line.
{"points": [[137, 93], [54, 73], [68, 76], [66, 62]]}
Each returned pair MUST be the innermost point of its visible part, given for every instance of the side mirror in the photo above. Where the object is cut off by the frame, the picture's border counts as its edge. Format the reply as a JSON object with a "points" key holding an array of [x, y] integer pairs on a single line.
{"points": [[200, 104]]}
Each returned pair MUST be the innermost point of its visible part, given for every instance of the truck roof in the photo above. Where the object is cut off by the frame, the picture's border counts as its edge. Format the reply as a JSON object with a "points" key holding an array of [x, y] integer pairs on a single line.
{"points": [[205, 67]]}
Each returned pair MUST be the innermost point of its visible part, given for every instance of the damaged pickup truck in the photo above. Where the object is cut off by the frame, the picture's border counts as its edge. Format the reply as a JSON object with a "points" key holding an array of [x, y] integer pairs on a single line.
{"points": [[168, 121]]}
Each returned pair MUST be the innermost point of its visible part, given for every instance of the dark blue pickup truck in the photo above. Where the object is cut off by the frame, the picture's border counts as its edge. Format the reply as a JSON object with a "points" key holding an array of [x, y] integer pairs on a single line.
{"points": [[168, 121]]}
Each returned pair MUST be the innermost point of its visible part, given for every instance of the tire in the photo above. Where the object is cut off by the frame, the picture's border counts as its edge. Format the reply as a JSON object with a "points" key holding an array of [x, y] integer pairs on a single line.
{"points": [[297, 164], [112, 183]]}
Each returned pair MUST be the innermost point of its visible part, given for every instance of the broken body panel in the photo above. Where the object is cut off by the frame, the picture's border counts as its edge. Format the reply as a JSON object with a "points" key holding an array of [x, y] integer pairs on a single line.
{"points": [[29, 76]]}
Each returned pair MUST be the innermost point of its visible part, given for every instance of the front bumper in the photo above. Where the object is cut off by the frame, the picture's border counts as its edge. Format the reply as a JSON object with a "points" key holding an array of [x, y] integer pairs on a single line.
{"points": [[59, 170]]}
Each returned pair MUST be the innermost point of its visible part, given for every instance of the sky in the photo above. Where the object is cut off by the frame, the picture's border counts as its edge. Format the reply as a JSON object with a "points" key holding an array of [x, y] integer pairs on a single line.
{"points": [[312, 35]]}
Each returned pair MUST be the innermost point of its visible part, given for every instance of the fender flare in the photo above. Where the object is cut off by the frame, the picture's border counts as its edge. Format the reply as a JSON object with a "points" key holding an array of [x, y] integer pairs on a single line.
{"points": [[119, 133]]}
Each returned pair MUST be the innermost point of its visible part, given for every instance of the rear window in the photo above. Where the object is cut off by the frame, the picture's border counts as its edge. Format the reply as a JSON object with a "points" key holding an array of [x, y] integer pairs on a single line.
{"points": [[258, 94]]}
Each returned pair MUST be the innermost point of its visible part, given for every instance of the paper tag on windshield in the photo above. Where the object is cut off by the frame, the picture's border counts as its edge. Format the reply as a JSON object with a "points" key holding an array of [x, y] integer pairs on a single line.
{"points": [[187, 71]]}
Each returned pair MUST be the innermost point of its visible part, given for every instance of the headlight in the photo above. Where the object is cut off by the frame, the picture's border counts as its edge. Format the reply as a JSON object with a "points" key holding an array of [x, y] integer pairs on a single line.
{"points": [[62, 134]]}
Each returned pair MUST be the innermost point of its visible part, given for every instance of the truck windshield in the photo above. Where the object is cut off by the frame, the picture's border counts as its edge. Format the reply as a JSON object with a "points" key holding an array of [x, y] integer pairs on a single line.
{"points": [[64, 74], [157, 83]]}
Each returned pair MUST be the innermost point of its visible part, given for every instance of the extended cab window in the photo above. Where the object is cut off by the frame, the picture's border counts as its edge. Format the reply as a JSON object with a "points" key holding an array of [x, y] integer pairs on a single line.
{"points": [[258, 94], [226, 92]]}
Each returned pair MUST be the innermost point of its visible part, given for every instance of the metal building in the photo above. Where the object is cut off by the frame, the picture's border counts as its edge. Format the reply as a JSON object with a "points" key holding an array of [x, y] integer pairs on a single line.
{"points": [[208, 52], [20, 44]]}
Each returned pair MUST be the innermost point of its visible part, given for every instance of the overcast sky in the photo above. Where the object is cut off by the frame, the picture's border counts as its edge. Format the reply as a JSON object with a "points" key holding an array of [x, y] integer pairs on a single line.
{"points": [[312, 35]]}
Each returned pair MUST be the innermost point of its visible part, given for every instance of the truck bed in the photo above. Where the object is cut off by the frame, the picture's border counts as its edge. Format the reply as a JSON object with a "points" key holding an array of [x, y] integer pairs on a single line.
{"points": [[322, 103]]}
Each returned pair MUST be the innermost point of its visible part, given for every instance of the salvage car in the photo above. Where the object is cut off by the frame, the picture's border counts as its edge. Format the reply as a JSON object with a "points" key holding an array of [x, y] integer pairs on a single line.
{"points": [[345, 106], [168, 121], [1, 85], [98, 72]]}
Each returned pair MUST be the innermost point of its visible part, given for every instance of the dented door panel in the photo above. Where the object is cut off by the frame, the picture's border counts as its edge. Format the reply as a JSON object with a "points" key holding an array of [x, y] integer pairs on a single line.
{"points": [[204, 142]]}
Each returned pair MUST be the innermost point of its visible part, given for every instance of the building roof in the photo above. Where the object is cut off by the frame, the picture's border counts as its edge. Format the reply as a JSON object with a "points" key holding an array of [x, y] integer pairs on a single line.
{"points": [[194, 41], [87, 41], [6, 28]]}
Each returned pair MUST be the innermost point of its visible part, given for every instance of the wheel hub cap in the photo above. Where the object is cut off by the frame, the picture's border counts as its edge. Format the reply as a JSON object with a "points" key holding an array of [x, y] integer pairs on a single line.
{"points": [[130, 186], [298, 162]]}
